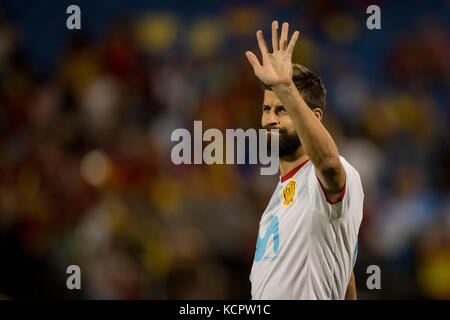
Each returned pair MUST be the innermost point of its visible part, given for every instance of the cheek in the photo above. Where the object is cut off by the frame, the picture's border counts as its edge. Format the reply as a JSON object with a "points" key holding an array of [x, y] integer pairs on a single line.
{"points": [[286, 123], [263, 119]]}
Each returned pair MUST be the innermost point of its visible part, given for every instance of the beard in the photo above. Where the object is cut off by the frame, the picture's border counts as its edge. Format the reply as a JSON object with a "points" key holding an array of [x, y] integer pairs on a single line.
{"points": [[288, 143]]}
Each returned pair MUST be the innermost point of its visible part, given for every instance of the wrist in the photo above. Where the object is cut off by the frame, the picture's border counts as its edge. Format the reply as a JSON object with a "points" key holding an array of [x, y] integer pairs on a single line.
{"points": [[283, 87]]}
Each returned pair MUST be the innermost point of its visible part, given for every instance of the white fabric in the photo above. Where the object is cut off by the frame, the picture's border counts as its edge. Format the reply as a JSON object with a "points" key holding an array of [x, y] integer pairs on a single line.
{"points": [[310, 243]]}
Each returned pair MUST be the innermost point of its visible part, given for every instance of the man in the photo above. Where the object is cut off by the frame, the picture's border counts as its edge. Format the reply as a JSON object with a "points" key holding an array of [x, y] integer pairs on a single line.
{"points": [[307, 240]]}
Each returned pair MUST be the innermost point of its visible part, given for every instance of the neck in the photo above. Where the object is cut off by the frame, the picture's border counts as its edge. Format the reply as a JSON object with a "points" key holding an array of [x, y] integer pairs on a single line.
{"points": [[288, 163]]}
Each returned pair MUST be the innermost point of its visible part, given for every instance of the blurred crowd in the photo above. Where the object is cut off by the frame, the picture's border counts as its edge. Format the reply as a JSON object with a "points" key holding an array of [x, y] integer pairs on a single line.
{"points": [[85, 172]]}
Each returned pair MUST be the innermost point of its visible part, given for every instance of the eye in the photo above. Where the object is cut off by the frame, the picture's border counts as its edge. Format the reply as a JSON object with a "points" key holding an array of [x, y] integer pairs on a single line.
{"points": [[266, 108], [281, 109]]}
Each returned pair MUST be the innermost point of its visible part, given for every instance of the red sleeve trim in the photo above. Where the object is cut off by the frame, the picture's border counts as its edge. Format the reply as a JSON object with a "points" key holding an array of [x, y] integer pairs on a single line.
{"points": [[341, 195]]}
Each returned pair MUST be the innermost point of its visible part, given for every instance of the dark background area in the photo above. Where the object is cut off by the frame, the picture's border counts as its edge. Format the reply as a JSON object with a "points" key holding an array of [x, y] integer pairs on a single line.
{"points": [[86, 118]]}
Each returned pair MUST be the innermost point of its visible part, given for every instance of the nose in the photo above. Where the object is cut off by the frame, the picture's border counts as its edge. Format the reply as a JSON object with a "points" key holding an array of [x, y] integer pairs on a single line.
{"points": [[273, 121]]}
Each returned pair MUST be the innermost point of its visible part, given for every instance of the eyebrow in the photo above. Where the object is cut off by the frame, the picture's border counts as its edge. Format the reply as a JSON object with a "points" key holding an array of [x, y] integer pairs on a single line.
{"points": [[265, 105]]}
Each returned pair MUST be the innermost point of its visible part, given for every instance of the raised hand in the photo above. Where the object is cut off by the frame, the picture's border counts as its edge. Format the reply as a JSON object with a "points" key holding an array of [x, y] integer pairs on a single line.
{"points": [[276, 69]]}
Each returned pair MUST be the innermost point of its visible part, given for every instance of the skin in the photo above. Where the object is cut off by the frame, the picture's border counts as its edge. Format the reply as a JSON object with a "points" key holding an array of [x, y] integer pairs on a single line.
{"points": [[284, 108], [351, 289]]}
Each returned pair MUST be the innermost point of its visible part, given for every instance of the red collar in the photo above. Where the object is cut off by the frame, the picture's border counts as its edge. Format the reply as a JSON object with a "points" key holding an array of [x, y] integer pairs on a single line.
{"points": [[291, 173]]}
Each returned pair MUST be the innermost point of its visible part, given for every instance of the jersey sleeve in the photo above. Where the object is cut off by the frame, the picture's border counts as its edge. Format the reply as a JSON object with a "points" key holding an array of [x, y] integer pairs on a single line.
{"points": [[350, 200]]}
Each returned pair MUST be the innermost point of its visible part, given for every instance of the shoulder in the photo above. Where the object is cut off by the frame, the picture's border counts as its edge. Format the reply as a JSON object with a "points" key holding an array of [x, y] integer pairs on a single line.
{"points": [[349, 169], [351, 197], [353, 185]]}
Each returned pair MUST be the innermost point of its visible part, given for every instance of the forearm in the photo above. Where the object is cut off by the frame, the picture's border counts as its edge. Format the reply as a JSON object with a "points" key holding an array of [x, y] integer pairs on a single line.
{"points": [[315, 139], [277, 72]]}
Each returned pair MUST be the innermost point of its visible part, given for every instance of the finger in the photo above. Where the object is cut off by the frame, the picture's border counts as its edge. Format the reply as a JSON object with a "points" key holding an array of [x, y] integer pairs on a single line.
{"points": [[262, 44], [292, 43], [284, 34], [252, 59], [275, 36]]}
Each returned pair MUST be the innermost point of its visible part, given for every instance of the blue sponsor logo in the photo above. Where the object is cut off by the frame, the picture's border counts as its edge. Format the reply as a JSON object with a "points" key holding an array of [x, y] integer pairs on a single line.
{"points": [[261, 243], [354, 254]]}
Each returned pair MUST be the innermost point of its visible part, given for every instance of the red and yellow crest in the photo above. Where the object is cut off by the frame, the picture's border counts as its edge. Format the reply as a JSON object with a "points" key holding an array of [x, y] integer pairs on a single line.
{"points": [[288, 193]]}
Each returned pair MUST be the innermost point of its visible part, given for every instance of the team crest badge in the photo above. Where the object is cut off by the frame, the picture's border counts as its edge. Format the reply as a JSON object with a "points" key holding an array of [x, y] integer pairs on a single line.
{"points": [[288, 193]]}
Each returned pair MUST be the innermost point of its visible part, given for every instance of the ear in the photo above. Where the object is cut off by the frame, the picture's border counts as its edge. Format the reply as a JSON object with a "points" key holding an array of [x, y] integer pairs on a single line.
{"points": [[318, 113]]}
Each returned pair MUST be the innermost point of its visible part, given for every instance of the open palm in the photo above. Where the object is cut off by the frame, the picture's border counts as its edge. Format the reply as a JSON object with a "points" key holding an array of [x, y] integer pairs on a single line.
{"points": [[277, 66]]}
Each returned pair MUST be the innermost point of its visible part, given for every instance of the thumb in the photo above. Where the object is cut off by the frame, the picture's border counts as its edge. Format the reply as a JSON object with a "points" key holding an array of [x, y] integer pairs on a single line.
{"points": [[252, 59]]}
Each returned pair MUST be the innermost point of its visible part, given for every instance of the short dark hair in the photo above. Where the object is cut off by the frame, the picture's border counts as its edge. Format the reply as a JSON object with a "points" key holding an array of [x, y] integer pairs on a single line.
{"points": [[309, 85]]}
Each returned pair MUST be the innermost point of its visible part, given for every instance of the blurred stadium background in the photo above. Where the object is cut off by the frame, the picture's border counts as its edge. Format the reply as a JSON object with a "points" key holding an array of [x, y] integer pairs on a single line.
{"points": [[86, 118]]}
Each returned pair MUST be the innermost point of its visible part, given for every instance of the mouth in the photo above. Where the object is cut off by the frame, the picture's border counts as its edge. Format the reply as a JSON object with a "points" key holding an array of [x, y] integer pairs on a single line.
{"points": [[269, 131]]}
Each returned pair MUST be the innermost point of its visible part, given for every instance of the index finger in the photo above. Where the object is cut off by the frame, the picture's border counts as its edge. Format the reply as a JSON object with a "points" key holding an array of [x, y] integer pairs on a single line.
{"points": [[291, 45]]}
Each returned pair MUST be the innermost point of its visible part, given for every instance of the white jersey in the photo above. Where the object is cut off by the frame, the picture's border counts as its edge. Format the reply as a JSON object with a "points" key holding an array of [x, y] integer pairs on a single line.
{"points": [[306, 246]]}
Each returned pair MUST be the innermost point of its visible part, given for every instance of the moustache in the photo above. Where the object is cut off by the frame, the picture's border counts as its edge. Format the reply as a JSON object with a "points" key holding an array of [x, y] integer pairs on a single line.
{"points": [[280, 131]]}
